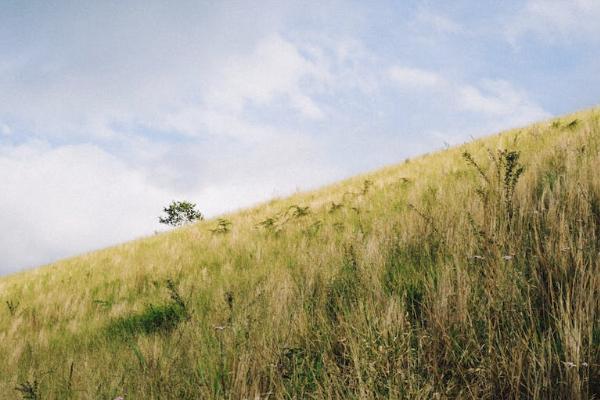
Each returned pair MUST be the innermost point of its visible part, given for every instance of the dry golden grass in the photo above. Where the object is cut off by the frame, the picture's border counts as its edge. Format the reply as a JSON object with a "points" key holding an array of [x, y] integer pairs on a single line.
{"points": [[435, 282]]}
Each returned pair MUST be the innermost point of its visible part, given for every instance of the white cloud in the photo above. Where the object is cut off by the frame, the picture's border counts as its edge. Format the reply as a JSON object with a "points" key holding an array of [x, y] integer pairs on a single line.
{"points": [[306, 106], [87, 76], [498, 97], [556, 20], [472, 99], [349, 64], [498, 102], [5, 130], [197, 121], [502, 104], [276, 73], [432, 21], [273, 73], [67, 200], [414, 77], [275, 69], [481, 107]]}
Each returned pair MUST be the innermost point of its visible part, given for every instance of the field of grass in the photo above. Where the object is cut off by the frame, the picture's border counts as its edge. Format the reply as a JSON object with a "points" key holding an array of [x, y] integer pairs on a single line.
{"points": [[469, 273]]}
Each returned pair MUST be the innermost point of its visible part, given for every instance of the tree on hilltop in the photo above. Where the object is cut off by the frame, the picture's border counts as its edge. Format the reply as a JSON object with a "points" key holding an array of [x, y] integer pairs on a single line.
{"points": [[179, 213]]}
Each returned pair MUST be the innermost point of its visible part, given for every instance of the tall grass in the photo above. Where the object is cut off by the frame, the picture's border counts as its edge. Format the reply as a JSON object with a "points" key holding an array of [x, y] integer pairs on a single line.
{"points": [[469, 273]]}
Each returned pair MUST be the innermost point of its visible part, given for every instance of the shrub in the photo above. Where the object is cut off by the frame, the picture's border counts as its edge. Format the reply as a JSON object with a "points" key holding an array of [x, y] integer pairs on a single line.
{"points": [[180, 213], [223, 226], [29, 390]]}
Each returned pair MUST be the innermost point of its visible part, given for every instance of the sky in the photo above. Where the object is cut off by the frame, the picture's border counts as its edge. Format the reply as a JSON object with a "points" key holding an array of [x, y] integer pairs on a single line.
{"points": [[110, 110]]}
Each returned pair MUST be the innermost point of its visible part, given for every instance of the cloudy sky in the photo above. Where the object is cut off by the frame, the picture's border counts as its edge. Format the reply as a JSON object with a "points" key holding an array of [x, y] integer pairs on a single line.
{"points": [[110, 110]]}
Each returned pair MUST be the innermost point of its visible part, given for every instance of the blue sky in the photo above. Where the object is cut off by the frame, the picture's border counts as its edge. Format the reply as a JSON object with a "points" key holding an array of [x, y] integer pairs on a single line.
{"points": [[109, 110]]}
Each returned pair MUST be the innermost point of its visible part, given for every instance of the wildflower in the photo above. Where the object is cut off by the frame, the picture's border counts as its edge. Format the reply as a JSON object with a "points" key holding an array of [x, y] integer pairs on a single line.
{"points": [[507, 257]]}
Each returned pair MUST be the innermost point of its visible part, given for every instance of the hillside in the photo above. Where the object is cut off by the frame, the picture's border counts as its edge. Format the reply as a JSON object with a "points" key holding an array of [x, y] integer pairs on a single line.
{"points": [[472, 272]]}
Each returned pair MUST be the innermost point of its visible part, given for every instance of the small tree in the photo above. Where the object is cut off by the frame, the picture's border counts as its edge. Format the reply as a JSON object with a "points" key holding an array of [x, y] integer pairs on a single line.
{"points": [[180, 213]]}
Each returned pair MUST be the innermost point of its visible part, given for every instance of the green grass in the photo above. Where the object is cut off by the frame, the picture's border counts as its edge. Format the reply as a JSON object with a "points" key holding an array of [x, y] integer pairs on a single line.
{"points": [[472, 272]]}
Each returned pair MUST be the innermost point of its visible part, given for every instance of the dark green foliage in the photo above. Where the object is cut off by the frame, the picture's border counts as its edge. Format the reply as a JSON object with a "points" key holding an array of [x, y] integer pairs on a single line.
{"points": [[174, 294], [223, 226], [406, 271], [290, 361], [276, 223], [426, 217], [301, 369], [268, 224], [343, 291], [12, 307], [335, 206], [106, 304], [154, 319], [471, 161], [314, 228], [366, 186], [69, 386], [415, 293], [296, 211], [229, 299], [363, 191], [135, 348], [508, 163], [180, 213], [338, 226], [324, 350], [573, 124], [500, 183], [29, 390]]}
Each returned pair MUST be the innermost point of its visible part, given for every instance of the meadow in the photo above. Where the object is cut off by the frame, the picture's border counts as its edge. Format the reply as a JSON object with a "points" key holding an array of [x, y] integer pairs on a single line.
{"points": [[471, 273]]}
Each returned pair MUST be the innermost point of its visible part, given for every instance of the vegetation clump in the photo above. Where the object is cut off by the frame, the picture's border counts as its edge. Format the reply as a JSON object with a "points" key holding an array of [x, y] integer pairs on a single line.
{"points": [[180, 213], [29, 390], [12, 307], [223, 226], [162, 318]]}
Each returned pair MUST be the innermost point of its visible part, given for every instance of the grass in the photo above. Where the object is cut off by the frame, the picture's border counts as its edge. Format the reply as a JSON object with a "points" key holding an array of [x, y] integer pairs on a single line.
{"points": [[162, 318], [468, 273]]}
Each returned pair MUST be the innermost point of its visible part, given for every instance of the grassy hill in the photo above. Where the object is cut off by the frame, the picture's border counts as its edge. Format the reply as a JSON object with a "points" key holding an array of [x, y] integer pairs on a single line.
{"points": [[473, 272]]}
